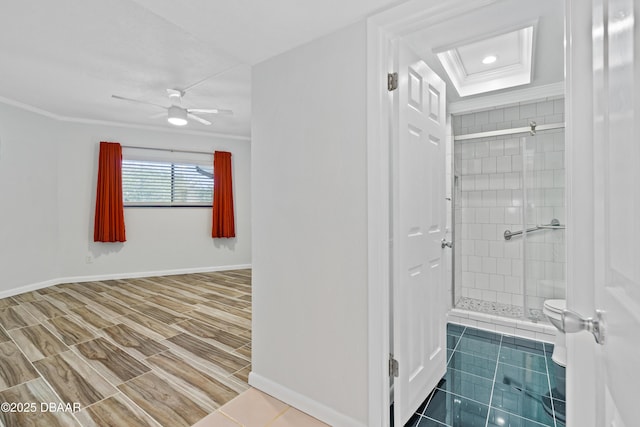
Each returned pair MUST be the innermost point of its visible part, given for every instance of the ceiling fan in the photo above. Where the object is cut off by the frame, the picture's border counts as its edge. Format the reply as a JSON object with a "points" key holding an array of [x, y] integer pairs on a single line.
{"points": [[177, 114]]}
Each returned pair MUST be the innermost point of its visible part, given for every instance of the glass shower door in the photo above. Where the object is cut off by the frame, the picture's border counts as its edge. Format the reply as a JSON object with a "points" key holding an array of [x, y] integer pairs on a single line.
{"points": [[543, 244]]}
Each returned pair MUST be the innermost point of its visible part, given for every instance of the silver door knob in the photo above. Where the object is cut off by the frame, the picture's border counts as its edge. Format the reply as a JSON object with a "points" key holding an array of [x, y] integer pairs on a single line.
{"points": [[573, 322], [446, 243]]}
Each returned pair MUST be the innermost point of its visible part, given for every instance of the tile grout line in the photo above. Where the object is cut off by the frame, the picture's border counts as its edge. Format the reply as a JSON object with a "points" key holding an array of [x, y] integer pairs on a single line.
{"points": [[219, 345], [180, 387], [467, 373], [428, 402], [122, 395], [493, 384], [461, 396], [484, 357], [455, 348], [197, 364], [490, 407], [450, 392], [422, 415], [74, 350], [199, 367], [40, 376], [270, 423], [224, 414], [187, 355], [553, 409]]}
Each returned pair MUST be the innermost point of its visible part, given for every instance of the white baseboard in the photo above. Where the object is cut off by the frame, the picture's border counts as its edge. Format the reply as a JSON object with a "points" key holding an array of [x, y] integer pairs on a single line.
{"points": [[28, 288], [303, 403], [114, 276]]}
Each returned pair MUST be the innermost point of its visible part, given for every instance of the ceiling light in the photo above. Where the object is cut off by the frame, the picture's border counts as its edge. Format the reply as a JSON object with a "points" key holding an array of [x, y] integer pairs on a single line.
{"points": [[177, 116], [489, 59], [497, 61]]}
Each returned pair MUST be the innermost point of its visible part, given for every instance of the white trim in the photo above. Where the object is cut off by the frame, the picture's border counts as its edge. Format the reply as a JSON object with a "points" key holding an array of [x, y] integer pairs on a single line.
{"points": [[79, 120], [381, 29], [378, 228], [302, 402], [584, 395], [510, 97], [29, 288], [132, 275]]}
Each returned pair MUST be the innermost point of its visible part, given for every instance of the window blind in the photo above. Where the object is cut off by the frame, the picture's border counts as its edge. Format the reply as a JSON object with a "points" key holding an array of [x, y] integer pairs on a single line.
{"points": [[166, 182]]}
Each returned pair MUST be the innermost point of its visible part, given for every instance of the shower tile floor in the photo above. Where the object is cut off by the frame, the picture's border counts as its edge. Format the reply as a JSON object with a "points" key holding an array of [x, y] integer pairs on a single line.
{"points": [[497, 308], [494, 380]]}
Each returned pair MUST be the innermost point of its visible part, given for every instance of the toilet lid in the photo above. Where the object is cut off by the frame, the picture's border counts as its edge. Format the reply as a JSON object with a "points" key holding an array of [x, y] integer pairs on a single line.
{"points": [[555, 305]]}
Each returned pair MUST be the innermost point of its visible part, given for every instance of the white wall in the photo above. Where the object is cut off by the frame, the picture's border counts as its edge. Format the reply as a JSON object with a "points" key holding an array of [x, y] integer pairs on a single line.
{"points": [[48, 233], [28, 198], [310, 227]]}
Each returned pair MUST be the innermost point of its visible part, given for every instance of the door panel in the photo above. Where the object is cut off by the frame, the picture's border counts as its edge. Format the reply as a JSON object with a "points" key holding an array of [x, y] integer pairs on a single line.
{"points": [[616, 207], [618, 291], [418, 226]]}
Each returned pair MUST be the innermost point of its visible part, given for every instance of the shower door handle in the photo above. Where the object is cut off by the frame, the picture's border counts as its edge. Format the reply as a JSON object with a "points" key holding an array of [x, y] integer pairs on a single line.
{"points": [[444, 243]]}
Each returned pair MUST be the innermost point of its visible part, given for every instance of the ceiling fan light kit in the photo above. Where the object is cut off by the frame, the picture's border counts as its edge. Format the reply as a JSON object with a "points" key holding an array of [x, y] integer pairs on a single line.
{"points": [[177, 116]]}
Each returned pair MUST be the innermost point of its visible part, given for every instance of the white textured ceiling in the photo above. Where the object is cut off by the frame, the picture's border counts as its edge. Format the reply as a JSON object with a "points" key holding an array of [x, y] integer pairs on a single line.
{"points": [[67, 57]]}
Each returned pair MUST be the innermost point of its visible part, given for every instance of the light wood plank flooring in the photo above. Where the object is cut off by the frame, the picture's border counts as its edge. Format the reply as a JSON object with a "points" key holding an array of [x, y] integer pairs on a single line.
{"points": [[157, 351]]}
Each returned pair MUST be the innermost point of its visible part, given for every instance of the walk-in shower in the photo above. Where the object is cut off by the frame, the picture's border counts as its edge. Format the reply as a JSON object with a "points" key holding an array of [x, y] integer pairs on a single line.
{"points": [[509, 209]]}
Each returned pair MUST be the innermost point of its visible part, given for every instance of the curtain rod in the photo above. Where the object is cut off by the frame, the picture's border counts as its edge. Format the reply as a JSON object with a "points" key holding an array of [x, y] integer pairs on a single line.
{"points": [[168, 149], [532, 128]]}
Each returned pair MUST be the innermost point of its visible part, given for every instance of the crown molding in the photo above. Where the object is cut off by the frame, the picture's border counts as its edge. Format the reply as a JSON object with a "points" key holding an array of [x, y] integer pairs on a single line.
{"points": [[505, 98], [79, 120]]}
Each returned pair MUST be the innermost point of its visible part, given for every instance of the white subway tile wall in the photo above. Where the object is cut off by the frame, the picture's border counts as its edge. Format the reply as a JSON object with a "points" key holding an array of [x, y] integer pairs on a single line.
{"points": [[496, 178]]}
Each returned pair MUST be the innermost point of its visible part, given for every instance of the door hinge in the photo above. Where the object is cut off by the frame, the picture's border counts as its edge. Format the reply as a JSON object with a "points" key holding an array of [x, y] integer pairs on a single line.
{"points": [[393, 366], [392, 81]]}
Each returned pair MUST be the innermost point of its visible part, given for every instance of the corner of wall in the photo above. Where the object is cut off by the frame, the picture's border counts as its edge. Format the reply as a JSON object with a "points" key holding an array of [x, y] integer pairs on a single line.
{"points": [[303, 403]]}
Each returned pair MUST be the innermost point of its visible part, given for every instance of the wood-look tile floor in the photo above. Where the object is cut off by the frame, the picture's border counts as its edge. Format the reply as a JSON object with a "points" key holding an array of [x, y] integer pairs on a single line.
{"points": [[157, 351]]}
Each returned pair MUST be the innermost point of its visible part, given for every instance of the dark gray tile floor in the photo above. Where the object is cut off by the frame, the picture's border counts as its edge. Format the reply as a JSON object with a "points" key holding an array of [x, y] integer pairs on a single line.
{"points": [[495, 380]]}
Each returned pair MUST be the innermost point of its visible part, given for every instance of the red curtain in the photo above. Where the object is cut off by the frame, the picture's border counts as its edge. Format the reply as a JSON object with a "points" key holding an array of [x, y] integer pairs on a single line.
{"points": [[223, 222], [109, 222]]}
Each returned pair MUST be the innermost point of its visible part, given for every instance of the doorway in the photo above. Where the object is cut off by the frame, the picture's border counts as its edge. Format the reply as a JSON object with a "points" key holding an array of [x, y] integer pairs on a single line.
{"points": [[403, 23]]}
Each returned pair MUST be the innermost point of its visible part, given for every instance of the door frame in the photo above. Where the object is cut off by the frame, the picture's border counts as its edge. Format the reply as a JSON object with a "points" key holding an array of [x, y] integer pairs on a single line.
{"points": [[403, 20], [581, 353], [382, 29]]}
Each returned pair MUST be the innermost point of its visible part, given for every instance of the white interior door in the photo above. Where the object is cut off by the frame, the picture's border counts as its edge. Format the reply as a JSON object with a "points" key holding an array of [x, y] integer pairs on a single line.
{"points": [[419, 304], [617, 195], [616, 202]]}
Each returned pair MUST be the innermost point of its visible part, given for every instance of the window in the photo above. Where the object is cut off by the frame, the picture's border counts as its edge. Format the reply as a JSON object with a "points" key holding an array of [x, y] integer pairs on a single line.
{"points": [[166, 178]]}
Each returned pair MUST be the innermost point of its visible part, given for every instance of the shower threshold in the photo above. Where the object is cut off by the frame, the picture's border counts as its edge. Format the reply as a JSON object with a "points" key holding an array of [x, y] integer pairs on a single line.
{"points": [[498, 309]]}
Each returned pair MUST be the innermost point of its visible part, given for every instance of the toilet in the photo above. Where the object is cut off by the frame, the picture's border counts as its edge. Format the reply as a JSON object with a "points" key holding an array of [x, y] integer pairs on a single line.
{"points": [[553, 309]]}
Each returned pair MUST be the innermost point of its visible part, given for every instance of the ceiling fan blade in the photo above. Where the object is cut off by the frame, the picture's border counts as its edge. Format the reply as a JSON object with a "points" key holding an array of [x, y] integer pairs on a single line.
{"points": [[159, 115], [199, 119], [137, 101], [210, 111]]}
